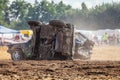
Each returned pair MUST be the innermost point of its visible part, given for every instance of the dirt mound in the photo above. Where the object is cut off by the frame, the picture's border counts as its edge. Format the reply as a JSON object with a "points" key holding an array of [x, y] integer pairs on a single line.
{"points": [[59, 70]]}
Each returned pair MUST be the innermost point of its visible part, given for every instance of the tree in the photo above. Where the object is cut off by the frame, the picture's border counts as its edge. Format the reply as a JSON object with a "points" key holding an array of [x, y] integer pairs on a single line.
{"points": [[84, 9], [48, 10], [19, 9], [18, 12], [3, 7]]}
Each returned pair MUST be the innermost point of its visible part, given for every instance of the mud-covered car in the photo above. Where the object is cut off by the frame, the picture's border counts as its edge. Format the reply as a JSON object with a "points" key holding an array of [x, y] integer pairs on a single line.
{"points": [[56, 40]]}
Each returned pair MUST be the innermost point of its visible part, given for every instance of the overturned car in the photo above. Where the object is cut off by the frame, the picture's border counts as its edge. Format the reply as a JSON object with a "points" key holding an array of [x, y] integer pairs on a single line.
{"points": [[54, 41]]}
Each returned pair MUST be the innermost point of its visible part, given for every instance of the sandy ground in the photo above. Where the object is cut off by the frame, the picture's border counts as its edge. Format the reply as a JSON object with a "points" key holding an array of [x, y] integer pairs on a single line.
{"points": [[102, 53], [104, 65], [106, 53]]}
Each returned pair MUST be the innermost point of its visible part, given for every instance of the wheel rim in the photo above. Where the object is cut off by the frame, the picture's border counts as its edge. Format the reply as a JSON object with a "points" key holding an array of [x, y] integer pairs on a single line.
{"points": [[16, 55]]}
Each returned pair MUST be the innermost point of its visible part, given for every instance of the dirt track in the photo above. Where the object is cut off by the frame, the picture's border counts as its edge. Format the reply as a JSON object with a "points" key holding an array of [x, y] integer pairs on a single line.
{"points": [[65, 70], [59, 70]]}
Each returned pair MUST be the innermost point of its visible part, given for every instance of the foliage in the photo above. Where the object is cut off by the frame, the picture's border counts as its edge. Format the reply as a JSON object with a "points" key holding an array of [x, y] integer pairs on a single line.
{"points": [[3, 8], [17, 13]]}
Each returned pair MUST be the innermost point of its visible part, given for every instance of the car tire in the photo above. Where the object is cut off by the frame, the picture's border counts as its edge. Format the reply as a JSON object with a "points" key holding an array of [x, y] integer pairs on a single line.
{"points": [[17, 55], [33, 24], [57, 23]]}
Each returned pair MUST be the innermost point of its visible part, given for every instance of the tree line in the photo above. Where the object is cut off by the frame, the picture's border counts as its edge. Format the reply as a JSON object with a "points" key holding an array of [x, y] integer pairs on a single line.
{"points": [[15, 14]]}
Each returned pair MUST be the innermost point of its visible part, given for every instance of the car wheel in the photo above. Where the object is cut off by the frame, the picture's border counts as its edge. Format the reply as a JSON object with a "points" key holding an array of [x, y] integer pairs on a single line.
{"points": [[17, 55], [57, 23]]}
